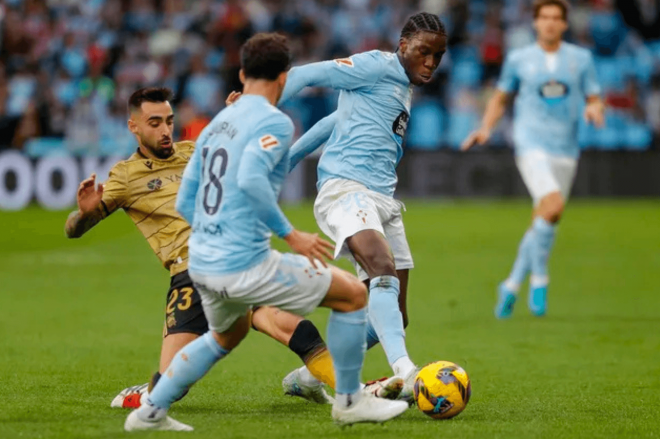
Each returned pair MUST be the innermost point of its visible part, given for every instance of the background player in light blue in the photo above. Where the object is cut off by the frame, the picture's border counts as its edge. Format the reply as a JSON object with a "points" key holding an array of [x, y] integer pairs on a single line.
{"points": [[357, 171], [553, 79], [229, 196]]}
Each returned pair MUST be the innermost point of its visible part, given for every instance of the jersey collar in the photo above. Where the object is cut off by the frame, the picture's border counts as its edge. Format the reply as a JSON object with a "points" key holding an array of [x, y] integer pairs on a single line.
{"points": [[562, 44]]}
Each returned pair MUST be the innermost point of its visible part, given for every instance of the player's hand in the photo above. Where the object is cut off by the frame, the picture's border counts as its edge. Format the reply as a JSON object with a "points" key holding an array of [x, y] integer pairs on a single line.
{"points": [[479, 136], [89, 195], [594, 113], [310, 246], [233, 97]]}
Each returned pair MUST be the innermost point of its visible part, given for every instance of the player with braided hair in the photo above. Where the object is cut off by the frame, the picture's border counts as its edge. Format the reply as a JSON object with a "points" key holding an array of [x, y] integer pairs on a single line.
{"points": [[422, 22], [357, 171]]}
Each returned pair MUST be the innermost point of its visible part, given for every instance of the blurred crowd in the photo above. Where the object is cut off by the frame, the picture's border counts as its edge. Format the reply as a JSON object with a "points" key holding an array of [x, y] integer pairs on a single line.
{"points": [[67, 67]]}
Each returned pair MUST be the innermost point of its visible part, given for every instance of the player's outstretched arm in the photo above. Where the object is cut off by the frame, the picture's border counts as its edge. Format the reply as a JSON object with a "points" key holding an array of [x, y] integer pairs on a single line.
{"points": [[298, 78], [594, 112], [494, 112], [358, 71], [312, 139], [89, 210]]}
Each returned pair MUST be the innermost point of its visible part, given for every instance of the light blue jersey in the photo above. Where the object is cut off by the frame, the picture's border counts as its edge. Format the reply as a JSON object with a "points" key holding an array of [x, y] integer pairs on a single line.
{"points": [[547, 107], [313, 139], [231, 184], [371, 118]]}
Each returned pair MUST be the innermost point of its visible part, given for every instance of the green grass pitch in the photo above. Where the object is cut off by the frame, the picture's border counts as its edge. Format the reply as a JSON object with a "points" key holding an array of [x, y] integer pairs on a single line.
{"points": [[82, 319]]}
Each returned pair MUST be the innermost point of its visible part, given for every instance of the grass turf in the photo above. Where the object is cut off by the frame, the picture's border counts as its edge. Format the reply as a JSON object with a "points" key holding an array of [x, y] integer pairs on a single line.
{"points": [[81, 320]]}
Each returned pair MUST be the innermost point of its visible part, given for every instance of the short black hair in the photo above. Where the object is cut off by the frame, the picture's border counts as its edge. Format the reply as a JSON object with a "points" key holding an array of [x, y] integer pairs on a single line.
{"points": [[265, 56], [148, 94], [423, 22]]}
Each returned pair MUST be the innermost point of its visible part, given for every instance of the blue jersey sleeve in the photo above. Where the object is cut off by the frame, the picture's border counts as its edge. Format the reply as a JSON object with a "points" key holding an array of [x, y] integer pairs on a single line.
{"points": [[358, 71], [312, 139], [265, 150], [509, 80], [185, 199], [590, 84]]}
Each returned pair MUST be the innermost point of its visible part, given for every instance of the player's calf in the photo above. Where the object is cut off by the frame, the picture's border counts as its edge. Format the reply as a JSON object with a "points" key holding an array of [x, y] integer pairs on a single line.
{"points": [[300, 336], [544, 229], [372, 251], [403, 294]]}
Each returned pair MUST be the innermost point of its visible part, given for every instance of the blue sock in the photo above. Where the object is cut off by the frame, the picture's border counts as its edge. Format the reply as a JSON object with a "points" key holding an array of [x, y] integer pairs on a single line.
{"points": [[346, 334], [372, 337], [523, 262], [544, 236], [188, 366], [385, 316]]}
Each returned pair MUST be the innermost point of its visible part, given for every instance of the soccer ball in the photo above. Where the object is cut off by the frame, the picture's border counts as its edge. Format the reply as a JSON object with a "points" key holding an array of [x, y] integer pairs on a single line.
{"points": [[442, 389]]}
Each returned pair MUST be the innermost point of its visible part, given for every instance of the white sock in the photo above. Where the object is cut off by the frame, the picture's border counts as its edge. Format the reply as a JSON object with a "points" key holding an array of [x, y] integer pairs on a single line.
{"points": [[512, 285], [403, 367], [306, 377], [538, 281], [346, 400]]}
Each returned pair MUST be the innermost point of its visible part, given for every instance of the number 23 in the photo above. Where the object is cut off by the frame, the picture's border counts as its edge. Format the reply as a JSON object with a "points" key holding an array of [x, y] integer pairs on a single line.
{"points": [[186, 300]]}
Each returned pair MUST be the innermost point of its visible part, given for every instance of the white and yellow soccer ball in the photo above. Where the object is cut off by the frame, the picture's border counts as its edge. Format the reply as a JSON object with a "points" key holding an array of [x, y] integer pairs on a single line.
{"points": [[442, 389]]}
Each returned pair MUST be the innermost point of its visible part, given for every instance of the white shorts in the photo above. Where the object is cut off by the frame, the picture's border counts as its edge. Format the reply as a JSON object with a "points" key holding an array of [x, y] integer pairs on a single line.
{"points": [[286, 281], [544, 173], [344, 208]]}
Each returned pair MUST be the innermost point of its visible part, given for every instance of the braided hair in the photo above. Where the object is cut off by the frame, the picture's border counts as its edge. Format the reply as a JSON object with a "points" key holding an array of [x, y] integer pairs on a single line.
{"points": [[423, 22]]}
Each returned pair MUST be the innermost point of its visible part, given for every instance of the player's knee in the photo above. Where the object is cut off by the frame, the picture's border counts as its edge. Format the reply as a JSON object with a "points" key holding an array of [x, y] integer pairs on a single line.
{"points": [[358, 296], [552, 208], [556, 210]]}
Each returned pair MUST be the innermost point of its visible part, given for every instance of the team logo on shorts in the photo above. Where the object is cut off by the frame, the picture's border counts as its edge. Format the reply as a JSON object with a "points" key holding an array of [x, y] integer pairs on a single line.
{"points": [[311, 272], [268, 141], [171, 321], [362, 215], [154, 184]]}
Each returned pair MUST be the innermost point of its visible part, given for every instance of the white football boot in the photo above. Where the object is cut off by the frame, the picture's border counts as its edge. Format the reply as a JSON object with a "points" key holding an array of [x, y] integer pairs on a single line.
{"points": [[386, 388], [131, 397], [408, 393], [293, 385], [160, 422], [368, 409]]}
